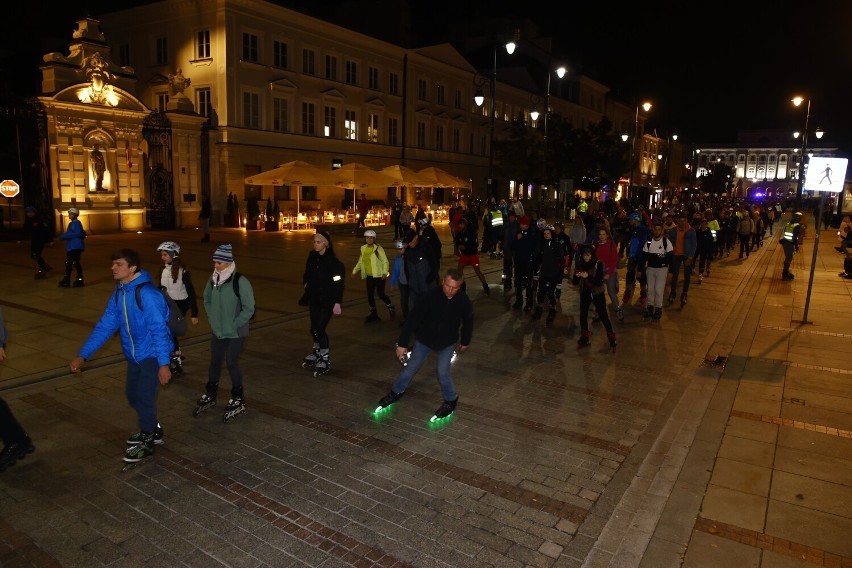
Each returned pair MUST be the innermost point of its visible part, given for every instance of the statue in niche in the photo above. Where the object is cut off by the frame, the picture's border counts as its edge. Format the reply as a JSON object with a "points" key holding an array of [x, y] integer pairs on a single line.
{"points": [[98, 167]]}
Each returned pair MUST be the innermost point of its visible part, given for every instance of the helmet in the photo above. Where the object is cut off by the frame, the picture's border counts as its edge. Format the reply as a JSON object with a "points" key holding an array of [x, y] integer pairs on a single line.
{"points": [[635, 216], [73, 211], [799, 214], [29, 208], [399, 244], [170, 247], [541, 224], [369, 233], [424, 221], [548, 228]]}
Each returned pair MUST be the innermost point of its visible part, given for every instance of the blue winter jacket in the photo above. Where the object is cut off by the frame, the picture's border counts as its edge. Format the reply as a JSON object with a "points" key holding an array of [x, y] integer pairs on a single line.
{"points": [[74, 235], [144, 333], [690, 241]]}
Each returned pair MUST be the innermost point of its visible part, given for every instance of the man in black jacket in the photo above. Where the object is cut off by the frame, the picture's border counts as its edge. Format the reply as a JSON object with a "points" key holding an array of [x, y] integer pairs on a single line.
{"points": [[441, 319]]}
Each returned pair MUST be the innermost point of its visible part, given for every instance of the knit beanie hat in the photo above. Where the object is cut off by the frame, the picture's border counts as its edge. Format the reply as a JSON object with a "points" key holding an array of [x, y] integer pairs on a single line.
{"points": [[224, 253], [525, 220]]}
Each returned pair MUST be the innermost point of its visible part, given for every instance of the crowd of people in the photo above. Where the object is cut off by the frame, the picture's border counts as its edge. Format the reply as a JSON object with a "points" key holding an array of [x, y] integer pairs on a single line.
{"points": [[658, 249]]}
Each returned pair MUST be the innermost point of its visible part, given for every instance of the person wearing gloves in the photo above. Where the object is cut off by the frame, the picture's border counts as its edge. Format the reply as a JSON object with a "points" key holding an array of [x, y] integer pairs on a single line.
{"points": [[374, 268], [229, 303]]}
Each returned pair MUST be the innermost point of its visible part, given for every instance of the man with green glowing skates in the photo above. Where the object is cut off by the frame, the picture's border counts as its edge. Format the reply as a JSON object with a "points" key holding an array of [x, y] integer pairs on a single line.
{"points": [[435, 321]]}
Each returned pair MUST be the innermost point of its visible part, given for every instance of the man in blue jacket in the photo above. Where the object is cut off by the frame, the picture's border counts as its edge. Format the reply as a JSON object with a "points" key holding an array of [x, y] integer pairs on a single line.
{"points": [[145, 340], [685, 242], [74, 247]]}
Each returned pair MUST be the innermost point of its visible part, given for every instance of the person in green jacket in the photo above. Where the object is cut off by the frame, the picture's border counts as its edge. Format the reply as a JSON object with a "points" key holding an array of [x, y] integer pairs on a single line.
{"points": [[229, 303]]}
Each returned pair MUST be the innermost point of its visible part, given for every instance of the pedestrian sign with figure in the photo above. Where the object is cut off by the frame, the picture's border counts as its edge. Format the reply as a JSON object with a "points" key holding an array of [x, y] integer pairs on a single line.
{"points": [[826, 174]]}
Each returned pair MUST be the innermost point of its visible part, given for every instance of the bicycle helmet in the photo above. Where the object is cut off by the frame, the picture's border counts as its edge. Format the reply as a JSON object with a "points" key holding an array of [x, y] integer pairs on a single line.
{"points": [[73, 211], [170, 247], [369, 233], [635, 216], [541, 223], [548, 228], [399, 244]]}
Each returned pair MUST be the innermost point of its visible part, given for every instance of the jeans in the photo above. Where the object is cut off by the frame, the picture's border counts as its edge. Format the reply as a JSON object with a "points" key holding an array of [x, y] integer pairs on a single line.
{"points": [[141, 391], [677, 262], [417, 357], [228, 348]]}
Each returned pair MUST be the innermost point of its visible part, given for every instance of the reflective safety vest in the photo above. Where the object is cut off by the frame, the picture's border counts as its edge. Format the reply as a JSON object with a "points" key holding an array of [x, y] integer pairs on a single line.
{"points": [[714, 228], [583, 207], [496, 218], [788, 231]]}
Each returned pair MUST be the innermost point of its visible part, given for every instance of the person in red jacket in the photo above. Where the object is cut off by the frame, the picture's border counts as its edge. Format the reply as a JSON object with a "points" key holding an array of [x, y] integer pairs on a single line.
{"points": [[606, 250], [363, 209]]}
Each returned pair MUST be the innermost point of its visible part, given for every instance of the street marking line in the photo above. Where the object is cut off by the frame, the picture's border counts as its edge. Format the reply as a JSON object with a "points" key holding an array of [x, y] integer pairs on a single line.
{"points": [[798, 424]]}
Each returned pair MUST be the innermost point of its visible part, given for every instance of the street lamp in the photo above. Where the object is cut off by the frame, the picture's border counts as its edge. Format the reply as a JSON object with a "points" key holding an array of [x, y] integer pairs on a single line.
{"points": [[479, 98], [797, 101], [560, 72], [646, 106]]}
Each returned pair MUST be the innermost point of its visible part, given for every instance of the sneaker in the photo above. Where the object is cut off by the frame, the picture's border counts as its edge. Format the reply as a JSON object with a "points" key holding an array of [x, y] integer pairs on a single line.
{"points": [[389, 399], [445, 409], [138, 437], [138, 453]]}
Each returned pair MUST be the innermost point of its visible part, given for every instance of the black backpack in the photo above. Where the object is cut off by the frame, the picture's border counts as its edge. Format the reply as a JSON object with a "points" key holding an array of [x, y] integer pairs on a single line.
{"points": [[176, 323], [237, 276]]}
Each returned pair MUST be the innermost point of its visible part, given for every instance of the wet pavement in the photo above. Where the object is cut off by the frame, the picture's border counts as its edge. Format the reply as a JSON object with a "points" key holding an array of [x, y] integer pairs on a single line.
{"points": [[719, 436]]}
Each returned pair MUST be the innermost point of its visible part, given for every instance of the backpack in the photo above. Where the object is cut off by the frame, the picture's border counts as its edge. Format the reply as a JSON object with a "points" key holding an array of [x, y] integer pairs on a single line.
{"points": [[237, 276], [176, 323]]}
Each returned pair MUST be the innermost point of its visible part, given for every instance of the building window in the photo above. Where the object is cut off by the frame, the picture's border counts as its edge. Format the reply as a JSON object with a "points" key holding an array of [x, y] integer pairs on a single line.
{"points": [[309, 62], [330, 122], [439, 137], [308, 118], [458, 99], [162, 55], [250, 47], [393, 131], [251, 110], [421, 90], [456, 140], [331, 68], [124, 55], [279, 54], [204, 102], [351, 73], [373, 78], [440, 93], [161, 101], [280, 112], [372, 127], [421, 134], [202, 44], [393, 84], [350, 124]]}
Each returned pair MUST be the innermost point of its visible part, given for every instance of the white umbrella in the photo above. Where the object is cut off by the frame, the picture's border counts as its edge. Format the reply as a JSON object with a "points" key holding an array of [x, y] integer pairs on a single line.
{"points": [[296, 173]]}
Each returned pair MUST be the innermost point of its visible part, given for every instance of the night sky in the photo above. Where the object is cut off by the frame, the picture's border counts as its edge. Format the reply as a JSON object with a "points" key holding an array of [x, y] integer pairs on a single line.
{"points": [[724, 67]]}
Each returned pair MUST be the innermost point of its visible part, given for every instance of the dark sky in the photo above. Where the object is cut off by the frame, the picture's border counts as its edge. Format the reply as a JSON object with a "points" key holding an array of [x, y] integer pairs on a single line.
{"points": [[725, 66]]}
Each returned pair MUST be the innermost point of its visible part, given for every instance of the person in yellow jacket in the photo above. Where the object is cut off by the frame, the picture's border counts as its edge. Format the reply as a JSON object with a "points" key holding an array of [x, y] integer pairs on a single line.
{"points": [[374, 268]]}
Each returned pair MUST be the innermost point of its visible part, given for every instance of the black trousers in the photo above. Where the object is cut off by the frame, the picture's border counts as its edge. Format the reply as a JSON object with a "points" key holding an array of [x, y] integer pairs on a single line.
{"points": [[10, 430]]}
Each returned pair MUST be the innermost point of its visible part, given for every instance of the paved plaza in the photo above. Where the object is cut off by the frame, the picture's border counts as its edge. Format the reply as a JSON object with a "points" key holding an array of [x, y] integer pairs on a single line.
{"points": [[717, 437]]}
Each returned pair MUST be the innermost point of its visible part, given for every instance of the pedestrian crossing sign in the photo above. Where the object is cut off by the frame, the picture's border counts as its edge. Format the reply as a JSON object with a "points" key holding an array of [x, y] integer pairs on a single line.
{"points": [[825, 174]]}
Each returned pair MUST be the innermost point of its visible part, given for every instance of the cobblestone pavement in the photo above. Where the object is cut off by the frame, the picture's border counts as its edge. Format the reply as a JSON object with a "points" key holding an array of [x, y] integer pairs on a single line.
{"points": [[719, 436]]}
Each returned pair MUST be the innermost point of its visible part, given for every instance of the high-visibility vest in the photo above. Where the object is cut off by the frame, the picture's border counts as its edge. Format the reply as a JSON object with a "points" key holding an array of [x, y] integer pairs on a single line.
{"points": [[583, 207], [788, 231], [496, 218], [714, 228]]}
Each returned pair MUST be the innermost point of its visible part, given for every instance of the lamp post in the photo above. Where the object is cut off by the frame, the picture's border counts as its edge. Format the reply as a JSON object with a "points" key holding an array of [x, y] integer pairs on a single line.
{"points": [[647, 107], [560, 72], [479, 98], [797, 101]]}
